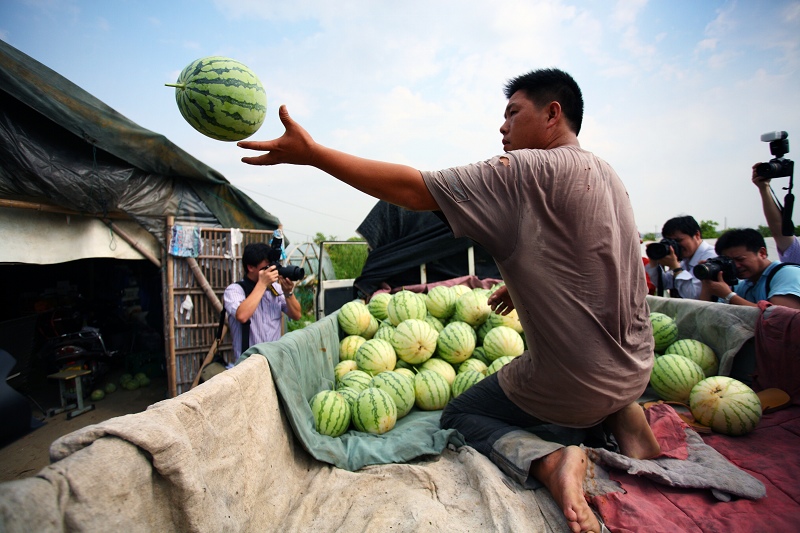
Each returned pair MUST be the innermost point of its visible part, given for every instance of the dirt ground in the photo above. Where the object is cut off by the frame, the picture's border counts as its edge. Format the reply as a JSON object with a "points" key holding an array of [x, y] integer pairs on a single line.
{"points": [[29, 454]]}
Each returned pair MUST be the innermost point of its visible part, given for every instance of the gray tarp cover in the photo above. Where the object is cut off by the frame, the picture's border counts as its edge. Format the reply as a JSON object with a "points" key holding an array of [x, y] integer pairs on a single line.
{"points": [[62, 146], [725, 328]]}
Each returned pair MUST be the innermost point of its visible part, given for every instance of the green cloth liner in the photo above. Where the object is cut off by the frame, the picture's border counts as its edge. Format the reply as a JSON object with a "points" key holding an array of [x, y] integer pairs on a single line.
{"points": [[302, 364]]}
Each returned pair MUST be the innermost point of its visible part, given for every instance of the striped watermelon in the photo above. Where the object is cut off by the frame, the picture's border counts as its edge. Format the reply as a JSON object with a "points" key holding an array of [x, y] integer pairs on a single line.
{"points": [[456, 342], [331, 413], [221, 98], [374, 411], [501, 341], [473, 308], [355, 379], [473, 364], [349, 345], [665, 331], [348, 394], [674, 376], [377, 305], [465, 380], [498, 363], [479, 353], [414, 341], [431, 390], [407, 372], [404, 305], [354, 317], [343, 367], [376, 356], [437, 324], [399, 387], [385, 331], [483, 330], [440, 301], [460, 290], [511, 320], [441, 367], [371, 329], [726, 405], [700, 353]]}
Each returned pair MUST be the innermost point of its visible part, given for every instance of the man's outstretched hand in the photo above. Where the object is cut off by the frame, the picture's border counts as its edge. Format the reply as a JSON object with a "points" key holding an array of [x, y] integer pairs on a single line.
{"points": [[295, 146]]}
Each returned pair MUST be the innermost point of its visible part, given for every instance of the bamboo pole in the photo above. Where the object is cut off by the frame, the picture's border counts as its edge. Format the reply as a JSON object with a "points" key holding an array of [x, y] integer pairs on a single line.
{"points": [[204, 284], [133, 242], [172, 381], [47, 208]]}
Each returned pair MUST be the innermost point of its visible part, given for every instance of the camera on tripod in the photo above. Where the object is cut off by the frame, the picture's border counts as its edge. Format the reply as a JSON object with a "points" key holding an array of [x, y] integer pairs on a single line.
{"points": [[711, 269], [290, 272], [660, 250]]}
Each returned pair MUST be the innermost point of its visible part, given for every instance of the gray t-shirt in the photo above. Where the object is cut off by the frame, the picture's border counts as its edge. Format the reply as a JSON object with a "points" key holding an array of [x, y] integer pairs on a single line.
{"points": [[560, 226]]}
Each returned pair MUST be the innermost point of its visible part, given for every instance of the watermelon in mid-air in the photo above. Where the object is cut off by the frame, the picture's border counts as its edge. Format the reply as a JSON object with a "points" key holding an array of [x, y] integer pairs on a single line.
{"points": [[221, 98]]}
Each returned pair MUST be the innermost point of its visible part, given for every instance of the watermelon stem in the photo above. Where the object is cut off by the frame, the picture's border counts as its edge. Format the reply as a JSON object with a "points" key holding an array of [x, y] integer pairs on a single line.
{"points": [[178, 85]]}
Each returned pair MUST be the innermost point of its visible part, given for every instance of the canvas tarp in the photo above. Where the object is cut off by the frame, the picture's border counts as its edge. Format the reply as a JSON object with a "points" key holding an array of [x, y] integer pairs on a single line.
{"points": [[224, 457], [62, 146]]}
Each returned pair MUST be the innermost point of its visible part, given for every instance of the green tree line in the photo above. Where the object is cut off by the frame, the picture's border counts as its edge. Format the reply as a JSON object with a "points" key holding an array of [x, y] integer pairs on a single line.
{"points": [[708, 229]]}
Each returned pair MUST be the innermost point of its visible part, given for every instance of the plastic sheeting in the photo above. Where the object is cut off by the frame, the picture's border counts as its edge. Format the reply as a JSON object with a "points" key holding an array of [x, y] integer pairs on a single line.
{"points": [[62, 146], [400, 240]]}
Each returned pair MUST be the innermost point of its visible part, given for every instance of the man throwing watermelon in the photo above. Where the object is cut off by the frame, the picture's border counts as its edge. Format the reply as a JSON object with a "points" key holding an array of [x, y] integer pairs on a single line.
{"points": [[571, 261]]}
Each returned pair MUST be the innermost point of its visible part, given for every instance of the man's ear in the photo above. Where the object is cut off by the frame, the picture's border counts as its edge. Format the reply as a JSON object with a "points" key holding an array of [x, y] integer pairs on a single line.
{"points": [[553, 112]]}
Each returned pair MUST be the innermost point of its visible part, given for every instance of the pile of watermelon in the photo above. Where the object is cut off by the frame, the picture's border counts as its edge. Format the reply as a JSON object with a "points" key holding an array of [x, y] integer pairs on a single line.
{"points": [[685, 372], [408, 350]]}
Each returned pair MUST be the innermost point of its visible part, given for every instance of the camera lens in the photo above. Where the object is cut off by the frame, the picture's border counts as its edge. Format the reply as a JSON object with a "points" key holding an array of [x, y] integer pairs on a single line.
{"points": [[656, 250], [292, 272]]}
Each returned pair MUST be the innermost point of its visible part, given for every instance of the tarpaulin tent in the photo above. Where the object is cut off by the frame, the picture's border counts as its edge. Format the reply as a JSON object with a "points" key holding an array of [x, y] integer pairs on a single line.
{"points": [[61, 146], [79, 181], [400, 240]]}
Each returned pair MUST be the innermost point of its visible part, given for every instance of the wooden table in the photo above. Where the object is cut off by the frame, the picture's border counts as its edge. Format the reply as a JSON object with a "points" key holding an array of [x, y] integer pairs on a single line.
{"points": [[77, 408]]}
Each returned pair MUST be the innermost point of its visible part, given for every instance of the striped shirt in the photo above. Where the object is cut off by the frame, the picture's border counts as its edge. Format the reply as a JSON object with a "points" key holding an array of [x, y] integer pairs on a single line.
{"points": [[265, 324]]}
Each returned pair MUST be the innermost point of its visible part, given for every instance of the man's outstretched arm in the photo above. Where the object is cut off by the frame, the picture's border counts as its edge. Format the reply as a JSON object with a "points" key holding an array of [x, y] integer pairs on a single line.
{"points": [[397, 184]]}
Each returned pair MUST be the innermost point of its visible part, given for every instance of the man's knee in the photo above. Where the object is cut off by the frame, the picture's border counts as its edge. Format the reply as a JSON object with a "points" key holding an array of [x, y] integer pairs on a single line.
{"points": [[449, 416]]}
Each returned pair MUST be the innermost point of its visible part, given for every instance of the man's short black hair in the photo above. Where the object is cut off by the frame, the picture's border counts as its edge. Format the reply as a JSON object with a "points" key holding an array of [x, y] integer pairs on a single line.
{"points": [[685, 224], [254, 253], [547, 85], [751, 239]]}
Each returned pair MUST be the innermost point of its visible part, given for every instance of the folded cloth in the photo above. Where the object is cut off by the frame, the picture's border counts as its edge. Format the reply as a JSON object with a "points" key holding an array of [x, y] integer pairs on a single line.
{"points": [[703, 467]]}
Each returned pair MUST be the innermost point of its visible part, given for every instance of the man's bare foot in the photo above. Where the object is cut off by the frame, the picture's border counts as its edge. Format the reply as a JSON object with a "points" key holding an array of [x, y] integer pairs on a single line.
{"points": [[634, 436], [562, 472]]}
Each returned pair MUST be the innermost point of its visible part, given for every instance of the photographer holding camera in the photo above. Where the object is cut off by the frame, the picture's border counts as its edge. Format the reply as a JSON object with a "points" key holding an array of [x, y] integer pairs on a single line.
{"points": [[254, 305], [743, 254], [788, 245], [681, 249]]}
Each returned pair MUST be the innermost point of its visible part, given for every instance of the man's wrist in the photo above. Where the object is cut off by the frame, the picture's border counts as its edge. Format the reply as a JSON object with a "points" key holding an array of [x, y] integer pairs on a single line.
{"points": [[676, 270], [729, 297]]}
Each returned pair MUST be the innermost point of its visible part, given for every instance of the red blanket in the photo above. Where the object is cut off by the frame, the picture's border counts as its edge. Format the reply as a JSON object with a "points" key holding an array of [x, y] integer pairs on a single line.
{"points": [[771, 453]]}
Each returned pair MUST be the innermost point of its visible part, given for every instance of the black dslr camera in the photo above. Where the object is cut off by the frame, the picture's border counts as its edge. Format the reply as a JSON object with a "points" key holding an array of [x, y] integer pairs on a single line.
{"points": [[711, 269], [290, 272], [659, 250], [780, 167]]}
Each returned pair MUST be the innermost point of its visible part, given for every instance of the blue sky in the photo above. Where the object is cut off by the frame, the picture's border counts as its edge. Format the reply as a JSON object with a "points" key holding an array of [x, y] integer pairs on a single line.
{"points": [[677, 92]]}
